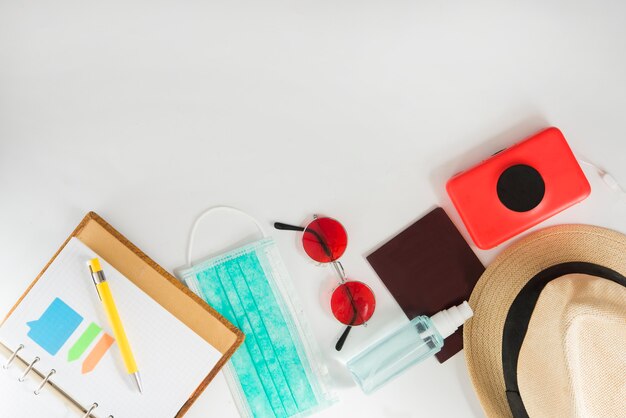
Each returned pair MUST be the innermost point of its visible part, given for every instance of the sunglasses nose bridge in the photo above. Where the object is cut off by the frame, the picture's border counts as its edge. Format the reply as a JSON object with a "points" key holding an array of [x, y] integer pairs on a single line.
{"points": [[338, 267]]}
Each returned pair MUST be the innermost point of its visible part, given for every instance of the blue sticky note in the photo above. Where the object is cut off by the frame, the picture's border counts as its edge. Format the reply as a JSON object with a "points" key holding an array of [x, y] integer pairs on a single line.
{"points": [[54, 327]]}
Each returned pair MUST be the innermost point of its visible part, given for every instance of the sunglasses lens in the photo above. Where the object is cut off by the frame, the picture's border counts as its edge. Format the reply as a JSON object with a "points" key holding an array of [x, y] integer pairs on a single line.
{"points": [[353, 303], [324, 240]]}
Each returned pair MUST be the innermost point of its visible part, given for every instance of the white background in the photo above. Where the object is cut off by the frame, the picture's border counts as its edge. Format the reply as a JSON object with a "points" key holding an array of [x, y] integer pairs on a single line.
{"points": [[150, 111]]}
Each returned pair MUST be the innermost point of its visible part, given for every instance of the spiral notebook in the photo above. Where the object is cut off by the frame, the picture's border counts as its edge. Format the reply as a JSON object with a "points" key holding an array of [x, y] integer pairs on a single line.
{"points": [[57, 341]]}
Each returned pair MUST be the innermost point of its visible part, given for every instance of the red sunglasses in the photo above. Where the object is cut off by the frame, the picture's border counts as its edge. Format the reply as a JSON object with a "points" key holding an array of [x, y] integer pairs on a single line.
{"points": [[325, 240]]}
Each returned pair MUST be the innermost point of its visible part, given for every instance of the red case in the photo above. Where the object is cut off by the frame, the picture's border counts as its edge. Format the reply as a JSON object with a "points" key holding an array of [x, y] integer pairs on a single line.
{"points": [[476, 193]]}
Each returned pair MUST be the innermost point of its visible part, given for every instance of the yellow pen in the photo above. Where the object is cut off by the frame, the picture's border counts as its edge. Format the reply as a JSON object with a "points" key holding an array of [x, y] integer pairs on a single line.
{"points": [[114, 319]]}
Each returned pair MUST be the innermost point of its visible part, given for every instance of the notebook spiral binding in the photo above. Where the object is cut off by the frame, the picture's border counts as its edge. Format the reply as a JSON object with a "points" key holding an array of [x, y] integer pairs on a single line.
{"points": [[46, 379]]}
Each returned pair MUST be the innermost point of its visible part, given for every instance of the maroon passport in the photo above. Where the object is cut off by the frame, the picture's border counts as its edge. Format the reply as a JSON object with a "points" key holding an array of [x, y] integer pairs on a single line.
{"points": [[429, 267]]}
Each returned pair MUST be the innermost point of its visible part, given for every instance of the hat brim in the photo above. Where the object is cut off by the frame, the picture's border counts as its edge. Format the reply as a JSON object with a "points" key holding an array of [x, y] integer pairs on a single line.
{"points": [[502, 281]]}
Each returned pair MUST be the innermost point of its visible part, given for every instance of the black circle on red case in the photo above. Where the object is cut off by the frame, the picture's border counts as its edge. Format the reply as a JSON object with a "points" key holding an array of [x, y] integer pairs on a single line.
{"points": [[521, 188]]}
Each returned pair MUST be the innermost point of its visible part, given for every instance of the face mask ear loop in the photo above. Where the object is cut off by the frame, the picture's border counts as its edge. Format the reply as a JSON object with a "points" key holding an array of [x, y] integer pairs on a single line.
{"points": [[208, 211]]}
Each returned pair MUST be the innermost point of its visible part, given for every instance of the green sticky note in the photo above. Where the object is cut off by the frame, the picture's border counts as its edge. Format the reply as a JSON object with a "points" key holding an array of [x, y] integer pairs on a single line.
{"points": [[83, 342]]}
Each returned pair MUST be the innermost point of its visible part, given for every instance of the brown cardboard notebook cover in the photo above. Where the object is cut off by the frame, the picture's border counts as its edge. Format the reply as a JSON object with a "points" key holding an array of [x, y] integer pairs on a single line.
{"points": [[161, 286], [429, 267]]}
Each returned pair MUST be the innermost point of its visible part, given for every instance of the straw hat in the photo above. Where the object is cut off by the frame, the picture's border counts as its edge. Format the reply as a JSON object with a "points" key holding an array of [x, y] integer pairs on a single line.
{"points": [[548, 336]]}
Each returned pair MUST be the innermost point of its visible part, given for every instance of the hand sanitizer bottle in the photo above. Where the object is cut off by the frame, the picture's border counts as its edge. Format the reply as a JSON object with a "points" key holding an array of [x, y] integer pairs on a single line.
{"points": [[410, 344]]}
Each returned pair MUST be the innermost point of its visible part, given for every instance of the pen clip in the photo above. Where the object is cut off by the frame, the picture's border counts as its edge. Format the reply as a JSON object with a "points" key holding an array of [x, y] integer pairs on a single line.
{"points": [[94, 283]]}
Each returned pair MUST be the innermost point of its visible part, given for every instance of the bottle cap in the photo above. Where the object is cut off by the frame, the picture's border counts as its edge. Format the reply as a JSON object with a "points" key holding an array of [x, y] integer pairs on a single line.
{"points": [[449, 320]]}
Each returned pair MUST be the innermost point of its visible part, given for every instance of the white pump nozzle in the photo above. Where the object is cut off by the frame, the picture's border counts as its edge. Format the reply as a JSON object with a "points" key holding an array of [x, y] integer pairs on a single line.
{"points": [[449, 320]]}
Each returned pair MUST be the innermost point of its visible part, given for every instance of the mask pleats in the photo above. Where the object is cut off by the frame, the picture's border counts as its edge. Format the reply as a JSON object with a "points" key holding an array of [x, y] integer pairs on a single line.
{"points": [[268, 365]]}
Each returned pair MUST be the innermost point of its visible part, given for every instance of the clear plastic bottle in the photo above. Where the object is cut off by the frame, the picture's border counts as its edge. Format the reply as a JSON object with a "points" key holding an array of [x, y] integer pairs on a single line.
{"points": [[410, 344]]}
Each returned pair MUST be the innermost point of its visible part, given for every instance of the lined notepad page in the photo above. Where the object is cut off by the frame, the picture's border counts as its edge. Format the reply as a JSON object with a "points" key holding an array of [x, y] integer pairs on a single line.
{"points": [[62, 321]]}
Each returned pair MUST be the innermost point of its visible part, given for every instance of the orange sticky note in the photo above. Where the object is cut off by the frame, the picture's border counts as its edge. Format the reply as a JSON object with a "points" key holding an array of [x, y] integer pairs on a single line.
{"points": [[98, 351]]}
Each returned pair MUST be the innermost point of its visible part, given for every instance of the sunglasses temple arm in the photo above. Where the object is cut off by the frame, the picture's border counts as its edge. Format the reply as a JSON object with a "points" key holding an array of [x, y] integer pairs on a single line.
{"points": [[344, 336], [342, 339], [287, 227]]}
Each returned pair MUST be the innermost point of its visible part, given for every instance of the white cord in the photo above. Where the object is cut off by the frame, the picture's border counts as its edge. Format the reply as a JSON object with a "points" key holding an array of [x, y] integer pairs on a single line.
{"points": [[200, 217], [608, 179]]}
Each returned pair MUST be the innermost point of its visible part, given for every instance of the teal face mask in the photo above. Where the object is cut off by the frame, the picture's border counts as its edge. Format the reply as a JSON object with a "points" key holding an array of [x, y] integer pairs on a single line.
{"points": [[274, 372]]}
